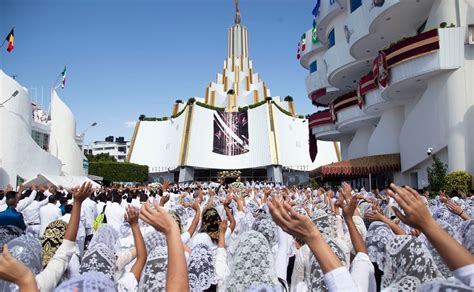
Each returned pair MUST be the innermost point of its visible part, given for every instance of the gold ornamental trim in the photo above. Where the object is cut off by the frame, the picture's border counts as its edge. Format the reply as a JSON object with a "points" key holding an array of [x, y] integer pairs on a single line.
{"points": [[132, 142]]}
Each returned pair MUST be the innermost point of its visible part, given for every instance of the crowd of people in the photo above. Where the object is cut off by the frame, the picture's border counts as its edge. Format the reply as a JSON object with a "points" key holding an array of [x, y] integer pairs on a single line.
{"points": [[242, 237]]}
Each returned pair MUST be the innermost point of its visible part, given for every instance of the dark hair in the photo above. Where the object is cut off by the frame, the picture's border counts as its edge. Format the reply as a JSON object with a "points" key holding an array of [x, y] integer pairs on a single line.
{"points": [[52, 199], [63, 200], [68, 209], [116, 198]]}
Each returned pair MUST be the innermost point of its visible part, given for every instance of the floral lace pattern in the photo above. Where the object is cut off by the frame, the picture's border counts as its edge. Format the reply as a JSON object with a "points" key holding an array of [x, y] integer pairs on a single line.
{"points": [[8, 233], [26, 249], [377, 238], [154, 274], [107, 235], [466, 235], [99, 258], [252, 263], [210, 223], [326, 224], [52, 238], [89, 281], [266, 226], [314, 276], [201, 268], [409, 264]]}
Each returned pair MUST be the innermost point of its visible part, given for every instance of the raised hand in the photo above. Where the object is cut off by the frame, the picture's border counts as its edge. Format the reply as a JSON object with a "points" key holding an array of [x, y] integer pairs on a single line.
{"points": [[346, 191], [16, 272], [164, 199], [291, 222], [83, 192], [131, 215], [165, 186], [158, 218], [456, 209], [349, 209], [374, 216], [416, 212]]}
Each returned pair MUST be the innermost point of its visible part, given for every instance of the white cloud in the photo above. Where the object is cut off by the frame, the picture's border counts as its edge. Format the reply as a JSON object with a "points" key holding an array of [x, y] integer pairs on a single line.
{"points": [[130, 124]]}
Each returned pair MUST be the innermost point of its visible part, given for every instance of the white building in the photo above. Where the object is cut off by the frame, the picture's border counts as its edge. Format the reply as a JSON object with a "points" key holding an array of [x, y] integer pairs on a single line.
{"points": [[237, 125], [118, 148], [396, 78], [33, 144]]}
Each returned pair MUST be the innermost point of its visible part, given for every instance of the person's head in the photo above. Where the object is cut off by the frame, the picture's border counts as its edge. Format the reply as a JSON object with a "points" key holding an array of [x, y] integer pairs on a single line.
{"points": [[52, 199], [39, 196], [11, 199], [63, 201], [68, 209], [117, 197]]}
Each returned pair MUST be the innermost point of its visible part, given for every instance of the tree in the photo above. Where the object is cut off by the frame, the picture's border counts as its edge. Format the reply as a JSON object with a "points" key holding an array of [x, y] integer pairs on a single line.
{"points": [[436, 175], [119, 172], [102, 157], [458, 181]]}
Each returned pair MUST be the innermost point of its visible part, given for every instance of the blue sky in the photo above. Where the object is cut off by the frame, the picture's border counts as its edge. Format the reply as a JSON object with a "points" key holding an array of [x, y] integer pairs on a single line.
{"points": [[126, 58]]}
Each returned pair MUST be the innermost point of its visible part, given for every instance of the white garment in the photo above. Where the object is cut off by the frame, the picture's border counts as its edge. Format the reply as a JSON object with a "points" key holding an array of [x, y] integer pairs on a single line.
{"points": [[362, 273], [222, 270], [127, 283], [48, 279], [89, 208], [465, 274], [100, 207], [115, 215], [340, 279], [283, 253], [31, 214], [48, 214], [301, 258], [22, 204]]}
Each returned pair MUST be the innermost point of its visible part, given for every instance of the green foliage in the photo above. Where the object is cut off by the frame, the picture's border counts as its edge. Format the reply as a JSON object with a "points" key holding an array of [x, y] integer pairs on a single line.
{"points": [[102, 157], [178, 101], [243, 109], [268, 98], [436, 175], [179, 113], [313, 184], [191, 100], [251, 106], [119, 172], [458, 181], [141, 117], [208, 106], [282, 109], [288, 98]]}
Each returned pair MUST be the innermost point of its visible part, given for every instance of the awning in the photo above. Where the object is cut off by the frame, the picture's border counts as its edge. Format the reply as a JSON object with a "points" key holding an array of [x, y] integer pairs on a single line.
{"points": [[66, 181], [359, 167]]}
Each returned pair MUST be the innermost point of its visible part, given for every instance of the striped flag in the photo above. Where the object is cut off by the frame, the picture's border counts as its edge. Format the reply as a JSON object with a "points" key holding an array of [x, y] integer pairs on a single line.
{"points": [[10, 39], [63, 74]]}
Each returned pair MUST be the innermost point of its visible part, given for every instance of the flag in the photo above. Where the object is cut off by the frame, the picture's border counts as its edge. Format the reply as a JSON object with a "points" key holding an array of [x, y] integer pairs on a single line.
{"points": [[63, 74], [303, 42], [10, 39], [314, 32], [316, 8]]}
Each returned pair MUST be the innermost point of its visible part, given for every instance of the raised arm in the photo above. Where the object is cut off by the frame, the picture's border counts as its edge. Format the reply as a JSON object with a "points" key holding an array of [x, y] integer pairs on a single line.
{"points": [[131, 216], [301, 227], [79, 196], [377, 216], [417, 215], [177, 274], [228, 212], [197, 216], [356, 238]]}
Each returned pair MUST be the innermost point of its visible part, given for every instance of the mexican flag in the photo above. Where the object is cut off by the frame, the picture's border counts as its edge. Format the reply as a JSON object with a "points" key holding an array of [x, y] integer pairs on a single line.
{"points": [[63, 74]]}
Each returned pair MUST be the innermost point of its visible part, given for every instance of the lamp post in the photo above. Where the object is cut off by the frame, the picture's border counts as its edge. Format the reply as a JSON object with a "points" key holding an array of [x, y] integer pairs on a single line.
{"points": [[87, 129], [15, 93]]}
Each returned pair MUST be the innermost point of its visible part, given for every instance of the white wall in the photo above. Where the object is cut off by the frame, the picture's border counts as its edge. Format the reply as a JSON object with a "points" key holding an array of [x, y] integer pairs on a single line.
{"points": [[359, 144], [62, 142], [19, 153], [385, 138], [157, 144]]}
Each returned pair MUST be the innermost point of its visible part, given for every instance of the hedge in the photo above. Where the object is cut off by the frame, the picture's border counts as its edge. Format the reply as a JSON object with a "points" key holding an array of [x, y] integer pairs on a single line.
{"points": [[458, 181], [119, 172], [205, 105]]}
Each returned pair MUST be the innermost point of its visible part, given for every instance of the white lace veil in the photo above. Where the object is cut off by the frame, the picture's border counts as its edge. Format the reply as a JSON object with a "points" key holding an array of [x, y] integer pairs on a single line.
{"points": [[377, 238], [408, 264], [26, 249], [201, 268], [89, 281], [154, 274], [266, 226], [252, 264]]}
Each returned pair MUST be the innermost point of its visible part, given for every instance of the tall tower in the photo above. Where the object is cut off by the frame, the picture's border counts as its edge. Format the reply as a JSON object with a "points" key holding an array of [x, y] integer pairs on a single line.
{"points": [[237, 85]]}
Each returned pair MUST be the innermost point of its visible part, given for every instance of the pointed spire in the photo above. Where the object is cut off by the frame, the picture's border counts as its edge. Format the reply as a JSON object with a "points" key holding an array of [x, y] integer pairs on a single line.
{"points": [[237, 12]]}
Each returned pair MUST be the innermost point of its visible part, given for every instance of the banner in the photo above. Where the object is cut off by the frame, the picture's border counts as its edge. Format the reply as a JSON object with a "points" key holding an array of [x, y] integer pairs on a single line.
{"points": [[231, 133]]}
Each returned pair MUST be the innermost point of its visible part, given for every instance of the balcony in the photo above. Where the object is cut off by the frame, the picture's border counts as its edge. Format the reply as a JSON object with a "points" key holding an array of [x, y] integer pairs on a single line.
{"points": [[370, 28], [319, 90], [308, 55], [350, 115], [422, 57], [327, 11], [322, 126]]}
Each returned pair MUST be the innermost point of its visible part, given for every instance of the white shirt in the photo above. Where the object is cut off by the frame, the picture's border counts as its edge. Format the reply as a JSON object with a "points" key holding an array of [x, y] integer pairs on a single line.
{"points": [[465, 274], [22, 204], [48, 214], [48, 279], [31, 214], [115, 215], [89, 208]]}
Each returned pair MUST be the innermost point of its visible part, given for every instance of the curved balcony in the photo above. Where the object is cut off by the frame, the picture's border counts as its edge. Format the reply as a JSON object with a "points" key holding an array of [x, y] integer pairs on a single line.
{"points": [[370, 28], [327, 11], [319, 90], [413, 61], [349, 114], [374, 104], [322, 126], [311, 50]]}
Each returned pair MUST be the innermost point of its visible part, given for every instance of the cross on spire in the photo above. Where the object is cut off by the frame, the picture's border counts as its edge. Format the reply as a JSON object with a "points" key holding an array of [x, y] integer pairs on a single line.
{"points": [[237, 12]]}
